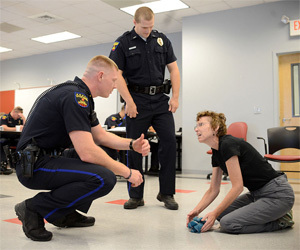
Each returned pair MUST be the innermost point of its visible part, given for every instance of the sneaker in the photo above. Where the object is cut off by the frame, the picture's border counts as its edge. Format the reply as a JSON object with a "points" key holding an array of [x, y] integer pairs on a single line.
{"points": [[133, 203], [286, 220], [169, 201], [74, 219], [33, 223]]}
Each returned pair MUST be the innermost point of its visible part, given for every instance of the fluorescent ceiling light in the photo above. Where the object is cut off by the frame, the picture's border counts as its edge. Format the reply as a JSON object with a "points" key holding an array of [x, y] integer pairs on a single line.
{"points": [[157, 6], [57, 37], [3, 49]]}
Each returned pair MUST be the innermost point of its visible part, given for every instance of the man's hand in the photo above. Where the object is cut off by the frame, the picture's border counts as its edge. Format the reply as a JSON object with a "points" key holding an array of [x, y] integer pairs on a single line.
{"points": [[136, 178], [141, 145], [173, 104], [131, 110]]}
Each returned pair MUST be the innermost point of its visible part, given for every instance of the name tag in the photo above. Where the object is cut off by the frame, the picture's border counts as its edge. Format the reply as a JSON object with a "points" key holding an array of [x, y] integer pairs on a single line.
{"points": [[134, 47]]}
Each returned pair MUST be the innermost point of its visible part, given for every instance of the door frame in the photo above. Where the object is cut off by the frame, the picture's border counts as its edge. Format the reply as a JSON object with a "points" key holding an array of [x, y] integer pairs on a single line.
{"points": [[275, 58]]}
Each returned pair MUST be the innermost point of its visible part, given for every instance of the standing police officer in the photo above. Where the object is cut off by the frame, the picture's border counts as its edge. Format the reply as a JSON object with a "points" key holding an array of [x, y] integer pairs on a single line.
{"points": [[142, 55], [78, 176]]}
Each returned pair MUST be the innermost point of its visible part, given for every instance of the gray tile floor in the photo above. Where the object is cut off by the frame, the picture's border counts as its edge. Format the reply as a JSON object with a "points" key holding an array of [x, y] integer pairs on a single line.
{"points": [[148, 227]]}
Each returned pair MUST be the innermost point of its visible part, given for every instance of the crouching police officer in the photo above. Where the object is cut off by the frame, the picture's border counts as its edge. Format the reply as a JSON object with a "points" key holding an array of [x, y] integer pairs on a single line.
{"points": [[75, 177]]}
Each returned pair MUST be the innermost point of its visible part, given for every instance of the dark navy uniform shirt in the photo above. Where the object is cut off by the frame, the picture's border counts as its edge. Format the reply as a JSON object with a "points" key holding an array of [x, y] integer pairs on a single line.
{"points": [[115, 120], [143, 62], [60, 111], [9, 121], [256, 171]]}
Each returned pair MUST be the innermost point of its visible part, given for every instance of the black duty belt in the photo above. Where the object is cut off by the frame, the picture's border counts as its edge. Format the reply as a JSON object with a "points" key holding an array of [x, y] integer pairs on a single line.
{"points": [[150, 90]]}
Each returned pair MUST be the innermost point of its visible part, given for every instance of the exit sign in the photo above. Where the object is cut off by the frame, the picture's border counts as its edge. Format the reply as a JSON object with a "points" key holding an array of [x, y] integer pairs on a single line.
{"points": [[295, 27]]}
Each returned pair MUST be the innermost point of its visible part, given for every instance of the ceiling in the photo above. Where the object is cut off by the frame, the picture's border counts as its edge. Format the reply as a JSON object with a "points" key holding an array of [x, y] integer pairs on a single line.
{"points": [[97, 21]]}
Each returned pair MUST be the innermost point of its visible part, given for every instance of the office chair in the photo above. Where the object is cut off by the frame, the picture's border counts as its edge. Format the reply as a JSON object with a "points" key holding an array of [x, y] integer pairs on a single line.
{"points": [[281, 138], [236, 129]]}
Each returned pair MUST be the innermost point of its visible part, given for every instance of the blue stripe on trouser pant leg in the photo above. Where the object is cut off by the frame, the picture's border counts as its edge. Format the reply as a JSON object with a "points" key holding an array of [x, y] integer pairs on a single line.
{"points": [[72, 171]]}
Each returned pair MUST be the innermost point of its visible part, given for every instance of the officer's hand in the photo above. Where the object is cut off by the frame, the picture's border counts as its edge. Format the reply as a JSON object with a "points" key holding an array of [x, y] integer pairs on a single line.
{"points": [[136, 178], [131, 110], [141, 145], [173, 105]]}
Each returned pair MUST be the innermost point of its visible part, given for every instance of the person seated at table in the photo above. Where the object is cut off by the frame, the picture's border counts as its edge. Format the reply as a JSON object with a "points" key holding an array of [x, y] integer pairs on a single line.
{"points": [[116, 120], [9, 122], [12, 119]]}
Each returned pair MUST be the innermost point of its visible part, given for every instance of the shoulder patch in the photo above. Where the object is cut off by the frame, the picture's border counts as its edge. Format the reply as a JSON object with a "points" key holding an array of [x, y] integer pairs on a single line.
{"points": [[113, 118], [81, 99], [3, 117], [115, 45]]}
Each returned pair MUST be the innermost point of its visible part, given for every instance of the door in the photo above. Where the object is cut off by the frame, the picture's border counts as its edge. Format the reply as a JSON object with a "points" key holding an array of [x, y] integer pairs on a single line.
{"points": [[289, 68]]}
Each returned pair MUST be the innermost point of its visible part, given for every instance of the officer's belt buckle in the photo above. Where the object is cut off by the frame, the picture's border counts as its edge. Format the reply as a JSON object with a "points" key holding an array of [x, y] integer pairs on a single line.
{"points": [[152, 90]]}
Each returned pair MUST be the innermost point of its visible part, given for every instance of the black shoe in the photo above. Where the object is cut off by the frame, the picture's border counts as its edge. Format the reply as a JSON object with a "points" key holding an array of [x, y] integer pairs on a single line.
{"points": [[6, 171], [134, 203], [74, 219], [33, 223], [169, 201]]}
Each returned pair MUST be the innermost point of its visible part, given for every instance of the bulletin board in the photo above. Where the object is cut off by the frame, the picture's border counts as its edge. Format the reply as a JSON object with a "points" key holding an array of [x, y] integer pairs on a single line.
{"points": [[104, 107]]}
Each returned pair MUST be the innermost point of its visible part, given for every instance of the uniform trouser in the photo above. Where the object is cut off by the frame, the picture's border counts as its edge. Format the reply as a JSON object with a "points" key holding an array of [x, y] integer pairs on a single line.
{"points": [[162, 121], [73, 184], [258, 211]]}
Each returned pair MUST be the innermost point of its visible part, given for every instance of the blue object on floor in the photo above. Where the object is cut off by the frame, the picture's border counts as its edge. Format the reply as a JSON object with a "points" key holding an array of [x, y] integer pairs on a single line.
{"points": [[196, 224]]}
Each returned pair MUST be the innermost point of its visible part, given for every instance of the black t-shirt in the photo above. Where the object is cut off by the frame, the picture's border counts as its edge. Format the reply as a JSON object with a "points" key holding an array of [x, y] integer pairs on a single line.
{"points": [[9, 121], [60, 111], [256, 171], [115, 120]]}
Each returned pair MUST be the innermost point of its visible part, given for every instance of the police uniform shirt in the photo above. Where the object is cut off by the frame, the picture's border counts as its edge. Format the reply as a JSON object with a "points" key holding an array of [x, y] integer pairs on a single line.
{"points": [[64, 109], [10, 122], [143, 62], [115, 120], [256, 171]]}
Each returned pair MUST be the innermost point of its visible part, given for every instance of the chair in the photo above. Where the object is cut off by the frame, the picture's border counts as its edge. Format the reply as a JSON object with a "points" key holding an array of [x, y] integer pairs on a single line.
{"points": [[280, 138], [236, 129]]}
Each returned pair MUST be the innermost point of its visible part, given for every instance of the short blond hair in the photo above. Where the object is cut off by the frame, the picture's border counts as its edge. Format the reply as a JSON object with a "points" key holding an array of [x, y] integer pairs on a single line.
{"points": [[217, 119], [143, 12], [102, 62], [18, 109]]}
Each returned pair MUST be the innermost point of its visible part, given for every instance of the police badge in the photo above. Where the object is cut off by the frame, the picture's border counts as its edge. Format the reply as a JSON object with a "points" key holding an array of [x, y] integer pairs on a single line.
{"points": [[160, 41]]}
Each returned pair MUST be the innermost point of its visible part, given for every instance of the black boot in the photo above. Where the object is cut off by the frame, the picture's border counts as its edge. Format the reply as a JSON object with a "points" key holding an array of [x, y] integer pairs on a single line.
{"points": [[4, 170], [74, 219], [169, 201], [133, 203], [33, 223]]}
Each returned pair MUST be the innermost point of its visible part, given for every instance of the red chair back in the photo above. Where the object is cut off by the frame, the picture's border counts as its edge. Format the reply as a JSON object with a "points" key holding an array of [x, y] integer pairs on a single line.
{"points": [[236, 129]]}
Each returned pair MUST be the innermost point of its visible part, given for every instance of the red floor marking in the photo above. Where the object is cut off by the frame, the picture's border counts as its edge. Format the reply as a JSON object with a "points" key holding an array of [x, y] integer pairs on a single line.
{"points": [[184, 191], [118, 202], [17, 221]]}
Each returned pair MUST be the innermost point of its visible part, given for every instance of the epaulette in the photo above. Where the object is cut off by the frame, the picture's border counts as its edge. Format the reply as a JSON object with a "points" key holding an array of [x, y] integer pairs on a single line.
{"points": [[126, 33]]}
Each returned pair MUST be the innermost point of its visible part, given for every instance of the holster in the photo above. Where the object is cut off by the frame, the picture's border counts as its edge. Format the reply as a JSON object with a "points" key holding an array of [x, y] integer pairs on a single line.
{"points": [[26, 158], [167, 86]]}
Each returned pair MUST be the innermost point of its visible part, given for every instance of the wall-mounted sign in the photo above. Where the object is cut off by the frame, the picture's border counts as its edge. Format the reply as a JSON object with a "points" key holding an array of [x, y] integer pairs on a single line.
{"points": [[295, 27]]}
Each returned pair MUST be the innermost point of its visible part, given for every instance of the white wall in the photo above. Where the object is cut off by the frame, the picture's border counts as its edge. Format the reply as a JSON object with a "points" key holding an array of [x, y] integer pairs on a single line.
{"points": [[57, 67], [228, 66]]}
